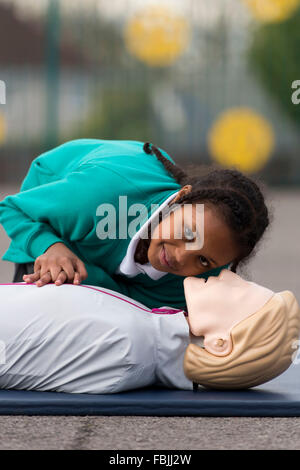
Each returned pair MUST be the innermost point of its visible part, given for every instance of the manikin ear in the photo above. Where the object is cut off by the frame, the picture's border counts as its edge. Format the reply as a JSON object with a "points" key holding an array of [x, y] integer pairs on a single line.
{"points": [[218, 345], [216, 339]]}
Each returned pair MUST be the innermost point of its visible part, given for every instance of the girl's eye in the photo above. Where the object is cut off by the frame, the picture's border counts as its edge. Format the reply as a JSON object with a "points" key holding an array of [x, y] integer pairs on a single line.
{"points": [[203, 261], [188, 234]]}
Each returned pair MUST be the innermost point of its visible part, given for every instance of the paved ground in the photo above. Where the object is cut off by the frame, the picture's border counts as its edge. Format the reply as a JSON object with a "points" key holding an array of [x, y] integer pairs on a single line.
{"points": [[153, 433], [275, 266]]}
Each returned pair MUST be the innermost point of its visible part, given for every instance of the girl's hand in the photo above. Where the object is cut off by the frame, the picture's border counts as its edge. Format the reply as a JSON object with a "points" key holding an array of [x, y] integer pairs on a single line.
{"points": [[58, 264]]}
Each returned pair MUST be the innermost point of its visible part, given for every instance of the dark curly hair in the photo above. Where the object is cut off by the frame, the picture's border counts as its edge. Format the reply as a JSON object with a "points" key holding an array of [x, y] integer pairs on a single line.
{"points": [[238, 199]]}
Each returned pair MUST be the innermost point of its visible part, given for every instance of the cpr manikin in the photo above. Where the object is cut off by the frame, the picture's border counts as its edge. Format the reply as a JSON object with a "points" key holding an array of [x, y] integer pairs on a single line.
{"points": [[85, 339], [249, 332], [217, 305]]}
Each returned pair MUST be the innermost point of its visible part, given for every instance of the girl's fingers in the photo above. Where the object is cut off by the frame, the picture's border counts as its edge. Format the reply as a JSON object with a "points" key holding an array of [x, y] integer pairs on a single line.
{"points": [[59, 272], [45, 279], [68, 268], [61, 278], [77, 278], [81, 270], [31, 277], [55, 272]]}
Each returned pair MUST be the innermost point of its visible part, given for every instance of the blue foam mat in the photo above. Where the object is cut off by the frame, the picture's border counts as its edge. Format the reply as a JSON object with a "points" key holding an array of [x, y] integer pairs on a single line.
{"points": [[279, 397]]}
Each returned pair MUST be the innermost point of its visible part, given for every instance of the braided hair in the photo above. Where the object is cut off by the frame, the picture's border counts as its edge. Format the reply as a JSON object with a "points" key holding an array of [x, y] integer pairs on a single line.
{"points": [[238, 199]]}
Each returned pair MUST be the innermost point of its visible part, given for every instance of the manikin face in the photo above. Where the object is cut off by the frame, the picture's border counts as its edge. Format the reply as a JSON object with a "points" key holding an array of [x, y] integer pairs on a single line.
{"points": [[216, 306], [173, 248]]}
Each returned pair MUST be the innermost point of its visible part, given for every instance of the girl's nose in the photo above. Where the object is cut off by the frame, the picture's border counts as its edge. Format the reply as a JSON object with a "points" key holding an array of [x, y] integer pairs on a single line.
{"points": [[181, 257]]}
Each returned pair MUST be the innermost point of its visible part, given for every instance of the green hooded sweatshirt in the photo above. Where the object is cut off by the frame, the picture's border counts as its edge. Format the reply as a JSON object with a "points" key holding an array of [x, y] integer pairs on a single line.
{"points": [[58, 202]]}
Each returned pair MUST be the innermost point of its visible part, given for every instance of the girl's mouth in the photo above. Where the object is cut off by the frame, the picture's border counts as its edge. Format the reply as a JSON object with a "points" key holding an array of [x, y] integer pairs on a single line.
{"points": [[163, 257]]}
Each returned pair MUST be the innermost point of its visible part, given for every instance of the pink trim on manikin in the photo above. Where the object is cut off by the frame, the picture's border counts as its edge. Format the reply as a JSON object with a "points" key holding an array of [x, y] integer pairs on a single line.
{"points": [[168, 311], [161, 310]]}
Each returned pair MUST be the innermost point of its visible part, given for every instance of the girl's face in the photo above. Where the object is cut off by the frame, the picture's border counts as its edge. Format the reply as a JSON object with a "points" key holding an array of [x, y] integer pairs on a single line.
{"points": [[214, 248]]}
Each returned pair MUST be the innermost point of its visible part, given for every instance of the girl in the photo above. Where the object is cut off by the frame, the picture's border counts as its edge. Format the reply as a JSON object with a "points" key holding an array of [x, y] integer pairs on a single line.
{"points": [[54, 220], [83, 339]]}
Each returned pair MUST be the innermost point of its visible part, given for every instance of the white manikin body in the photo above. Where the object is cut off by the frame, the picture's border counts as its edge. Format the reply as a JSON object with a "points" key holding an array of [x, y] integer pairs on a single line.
{"points": [[85, 339]]}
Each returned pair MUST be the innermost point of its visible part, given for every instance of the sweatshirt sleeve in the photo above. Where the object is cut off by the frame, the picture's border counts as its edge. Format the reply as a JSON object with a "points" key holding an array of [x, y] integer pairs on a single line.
{"points": [[65, 209]]}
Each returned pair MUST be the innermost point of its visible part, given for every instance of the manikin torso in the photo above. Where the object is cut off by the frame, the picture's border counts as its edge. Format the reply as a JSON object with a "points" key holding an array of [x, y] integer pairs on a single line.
{"points": [[85, 339]]}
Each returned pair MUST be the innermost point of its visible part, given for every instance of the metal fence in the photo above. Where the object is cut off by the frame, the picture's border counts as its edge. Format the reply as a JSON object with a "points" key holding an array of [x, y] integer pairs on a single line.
{"points": [[197, 78]]}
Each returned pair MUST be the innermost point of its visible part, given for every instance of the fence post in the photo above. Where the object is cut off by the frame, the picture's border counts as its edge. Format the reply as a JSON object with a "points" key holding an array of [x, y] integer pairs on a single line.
{"points": [[52, 72]]}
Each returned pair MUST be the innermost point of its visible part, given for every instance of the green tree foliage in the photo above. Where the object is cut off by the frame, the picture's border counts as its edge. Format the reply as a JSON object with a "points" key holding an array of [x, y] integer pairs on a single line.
{"points": [[119, 113], [121, 103], [275, 56]]}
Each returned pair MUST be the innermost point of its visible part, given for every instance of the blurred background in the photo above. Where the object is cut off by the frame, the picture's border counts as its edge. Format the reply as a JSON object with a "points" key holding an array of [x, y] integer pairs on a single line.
{"points": [[210, 81], [205, 80]]}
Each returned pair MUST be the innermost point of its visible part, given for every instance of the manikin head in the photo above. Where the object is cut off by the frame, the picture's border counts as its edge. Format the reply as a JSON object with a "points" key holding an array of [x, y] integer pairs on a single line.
{"points": [[249, 332]]}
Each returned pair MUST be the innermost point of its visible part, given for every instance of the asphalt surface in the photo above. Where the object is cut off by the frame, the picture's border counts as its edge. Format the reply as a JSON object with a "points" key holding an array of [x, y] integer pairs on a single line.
{"points": [[275, 266]]}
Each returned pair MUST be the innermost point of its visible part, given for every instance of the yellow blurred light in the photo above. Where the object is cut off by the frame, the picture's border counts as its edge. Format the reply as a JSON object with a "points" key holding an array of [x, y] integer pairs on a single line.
{"points": [[157, 36], [272, 10], [241, 138], [2, 129]]}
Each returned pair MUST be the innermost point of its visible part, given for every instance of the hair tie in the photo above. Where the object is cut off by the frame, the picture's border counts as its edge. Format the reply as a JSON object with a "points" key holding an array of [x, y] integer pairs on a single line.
{"points": [[147, 148]]}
